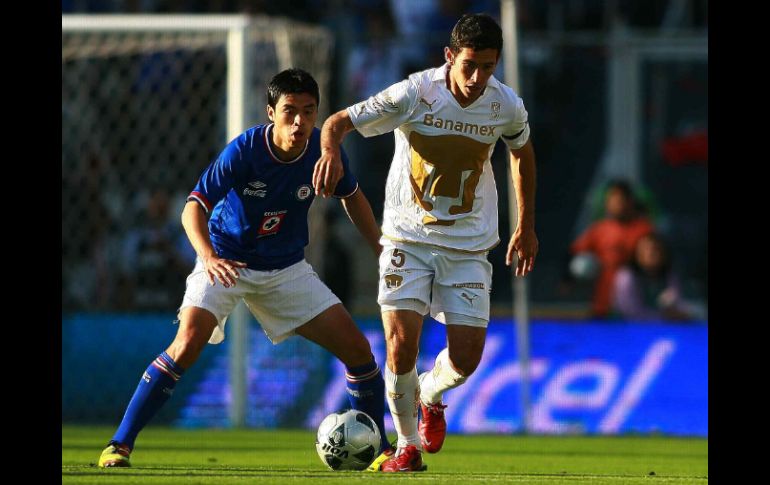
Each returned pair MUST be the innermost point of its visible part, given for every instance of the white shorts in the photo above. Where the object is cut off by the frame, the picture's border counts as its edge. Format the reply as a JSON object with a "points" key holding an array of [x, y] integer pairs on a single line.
{"points": [[453, 286], [281, 300]]}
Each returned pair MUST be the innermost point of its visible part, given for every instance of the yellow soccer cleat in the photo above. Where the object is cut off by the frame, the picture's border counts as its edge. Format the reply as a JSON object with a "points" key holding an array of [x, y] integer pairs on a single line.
{"points": [[115, 455], [377, 463]]}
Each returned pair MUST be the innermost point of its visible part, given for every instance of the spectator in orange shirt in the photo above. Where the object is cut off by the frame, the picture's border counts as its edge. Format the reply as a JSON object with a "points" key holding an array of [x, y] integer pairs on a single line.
{"points": [[612, 241]]}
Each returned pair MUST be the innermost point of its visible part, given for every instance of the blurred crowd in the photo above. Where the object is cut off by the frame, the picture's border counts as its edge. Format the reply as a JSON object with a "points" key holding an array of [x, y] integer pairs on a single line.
{"points": [[132, 254], [629, 263]]}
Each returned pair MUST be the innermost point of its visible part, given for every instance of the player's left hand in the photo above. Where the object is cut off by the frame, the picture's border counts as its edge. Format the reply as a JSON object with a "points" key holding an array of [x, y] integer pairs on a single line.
{"points": [[327, 172], [524, 245]]}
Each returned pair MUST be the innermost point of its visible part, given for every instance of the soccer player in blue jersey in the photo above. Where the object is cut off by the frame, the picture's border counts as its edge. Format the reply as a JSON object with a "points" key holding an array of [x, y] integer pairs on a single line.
{"points": [[257, 194]]}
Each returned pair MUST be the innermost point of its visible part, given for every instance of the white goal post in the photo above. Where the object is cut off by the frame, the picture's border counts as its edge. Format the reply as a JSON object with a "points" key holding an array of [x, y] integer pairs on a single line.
{"points": [[146, 124], [519, 287]]}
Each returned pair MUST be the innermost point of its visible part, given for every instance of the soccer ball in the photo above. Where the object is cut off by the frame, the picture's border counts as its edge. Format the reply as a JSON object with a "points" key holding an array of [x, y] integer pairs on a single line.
{"points": [[348, 440], [584, 266]]}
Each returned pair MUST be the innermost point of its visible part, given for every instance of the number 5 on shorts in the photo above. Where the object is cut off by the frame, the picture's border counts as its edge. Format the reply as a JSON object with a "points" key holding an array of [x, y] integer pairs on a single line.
{"points": [[398, 259]]}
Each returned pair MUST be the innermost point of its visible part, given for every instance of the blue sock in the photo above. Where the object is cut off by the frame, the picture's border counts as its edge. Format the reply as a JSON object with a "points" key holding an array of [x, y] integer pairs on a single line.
{"points": [[154, 389], [366, 392]]}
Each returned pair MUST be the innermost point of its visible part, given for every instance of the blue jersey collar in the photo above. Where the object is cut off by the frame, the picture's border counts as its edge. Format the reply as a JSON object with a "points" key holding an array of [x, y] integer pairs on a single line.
{"points": [[269, 147]]}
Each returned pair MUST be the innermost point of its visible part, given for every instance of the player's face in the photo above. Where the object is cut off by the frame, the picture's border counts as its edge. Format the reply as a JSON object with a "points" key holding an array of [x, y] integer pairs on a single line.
{"points": [[294, 117], [471, 69]]}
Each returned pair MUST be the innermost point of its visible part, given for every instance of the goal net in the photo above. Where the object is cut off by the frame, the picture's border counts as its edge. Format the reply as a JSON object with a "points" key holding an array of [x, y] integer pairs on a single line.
{"points": [[148, 101]]}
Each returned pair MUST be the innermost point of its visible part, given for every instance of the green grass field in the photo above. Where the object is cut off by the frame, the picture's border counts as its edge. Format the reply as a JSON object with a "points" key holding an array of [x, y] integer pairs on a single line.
{"points": [[172, 456]]}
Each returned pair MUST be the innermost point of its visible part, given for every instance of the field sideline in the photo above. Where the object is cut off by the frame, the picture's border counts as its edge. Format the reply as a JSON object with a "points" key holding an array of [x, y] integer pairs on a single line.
{"points": [[174, 456]]}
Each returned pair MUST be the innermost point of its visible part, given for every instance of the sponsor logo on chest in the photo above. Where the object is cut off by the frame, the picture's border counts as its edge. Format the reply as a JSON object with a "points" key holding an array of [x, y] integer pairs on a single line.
{"points": [[256, 189], [271, 223], [458, 126]]}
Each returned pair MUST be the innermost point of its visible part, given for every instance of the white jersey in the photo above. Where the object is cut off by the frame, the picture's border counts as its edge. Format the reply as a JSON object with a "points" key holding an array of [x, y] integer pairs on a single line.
{"points": [[440, 187]]}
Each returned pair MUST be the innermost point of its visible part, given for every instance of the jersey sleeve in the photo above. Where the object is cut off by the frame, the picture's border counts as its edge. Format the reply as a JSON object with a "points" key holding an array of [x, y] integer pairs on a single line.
{"points": [[386, 110], [219, 177], [516, 133], [348, 184]]}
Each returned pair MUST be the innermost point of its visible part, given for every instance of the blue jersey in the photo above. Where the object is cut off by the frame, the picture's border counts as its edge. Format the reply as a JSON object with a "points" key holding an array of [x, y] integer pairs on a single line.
{"points": [[259, 203]]}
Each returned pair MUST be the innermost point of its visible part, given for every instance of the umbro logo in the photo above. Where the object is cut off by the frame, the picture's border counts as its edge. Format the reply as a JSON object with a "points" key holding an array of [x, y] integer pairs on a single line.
{"points": [[257, 189]]}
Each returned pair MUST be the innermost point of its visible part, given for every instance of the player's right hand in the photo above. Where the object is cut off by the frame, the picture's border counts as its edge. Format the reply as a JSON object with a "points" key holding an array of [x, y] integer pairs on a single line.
{"points": [[327, 172], [224, 270]]}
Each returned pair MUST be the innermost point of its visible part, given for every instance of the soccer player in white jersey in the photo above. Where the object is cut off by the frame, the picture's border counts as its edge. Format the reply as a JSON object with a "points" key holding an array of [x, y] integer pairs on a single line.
{"points": [[440, 219]]}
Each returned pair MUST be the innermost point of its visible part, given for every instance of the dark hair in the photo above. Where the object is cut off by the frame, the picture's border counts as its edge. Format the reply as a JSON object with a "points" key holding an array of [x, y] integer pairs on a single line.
{"points": [[477, 31], [623, 186], [638, 205], [291, 81]]}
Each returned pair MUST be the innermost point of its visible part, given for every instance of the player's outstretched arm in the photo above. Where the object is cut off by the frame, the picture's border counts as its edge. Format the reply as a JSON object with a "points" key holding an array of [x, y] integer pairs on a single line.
{"points": [[360, 213], [194, 223], [328, 169], [524, 243]]}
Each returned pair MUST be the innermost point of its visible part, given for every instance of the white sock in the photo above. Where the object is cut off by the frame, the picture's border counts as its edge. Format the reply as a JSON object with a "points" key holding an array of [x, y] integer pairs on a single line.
{"points": [[443, 377], [403, 392]]}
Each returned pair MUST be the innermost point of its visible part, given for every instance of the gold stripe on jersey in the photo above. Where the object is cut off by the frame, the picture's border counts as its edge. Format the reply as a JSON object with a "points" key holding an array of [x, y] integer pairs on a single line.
{"points": [[446, 166]]}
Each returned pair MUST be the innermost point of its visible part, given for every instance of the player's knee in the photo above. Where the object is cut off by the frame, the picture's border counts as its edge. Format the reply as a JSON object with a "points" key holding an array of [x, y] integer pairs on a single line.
{"points": [[188, 344], [361, 343], [465, 361], [185, 350], [402, 345], [358, 352], [402, 355]]}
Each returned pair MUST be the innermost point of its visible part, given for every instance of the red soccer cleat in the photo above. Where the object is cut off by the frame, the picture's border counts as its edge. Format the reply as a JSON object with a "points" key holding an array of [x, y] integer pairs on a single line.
{"points": [[410, 460], [432, 427], [384, 456]]}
